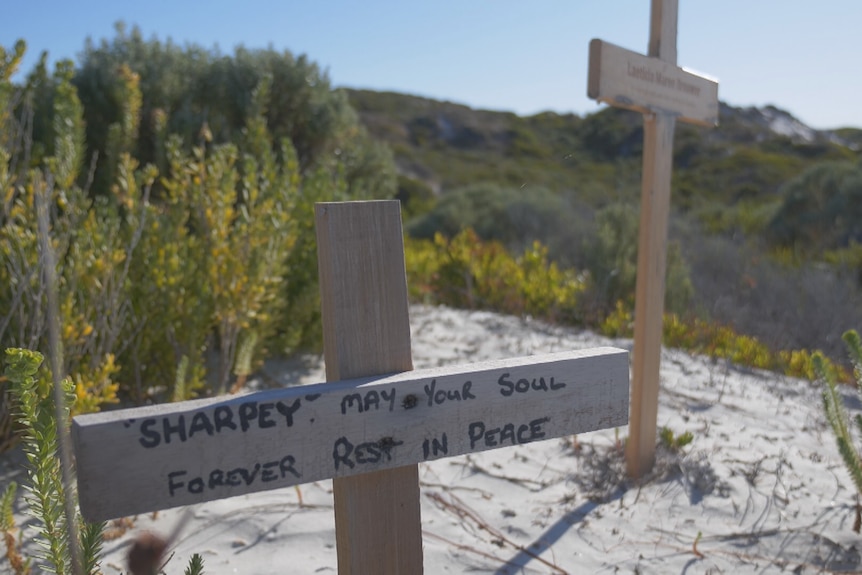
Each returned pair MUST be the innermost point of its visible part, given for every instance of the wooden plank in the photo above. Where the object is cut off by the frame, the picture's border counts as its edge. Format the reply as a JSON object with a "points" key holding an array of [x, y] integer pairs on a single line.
{"points": [[363, 289], [366, 330], [652, 253], [664, 15], [156, 457], [626, 79], [649, 292]]}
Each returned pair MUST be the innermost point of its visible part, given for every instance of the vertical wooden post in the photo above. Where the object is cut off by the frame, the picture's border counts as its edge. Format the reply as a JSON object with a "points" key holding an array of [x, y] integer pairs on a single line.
{"points": [[366, 331], [652, 255]]}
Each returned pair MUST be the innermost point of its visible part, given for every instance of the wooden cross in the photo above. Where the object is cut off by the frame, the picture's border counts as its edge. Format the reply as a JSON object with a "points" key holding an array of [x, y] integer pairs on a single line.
{"points": [[654, 86], [367, 428]]}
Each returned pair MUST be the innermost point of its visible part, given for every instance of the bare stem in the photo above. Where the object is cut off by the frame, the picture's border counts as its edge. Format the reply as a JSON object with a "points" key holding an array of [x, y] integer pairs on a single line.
{"points": [[55, 354]]}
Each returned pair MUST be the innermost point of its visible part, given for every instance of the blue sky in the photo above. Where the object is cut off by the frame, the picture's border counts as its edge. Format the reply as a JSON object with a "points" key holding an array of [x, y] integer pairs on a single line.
{"points": [[524, 56]]}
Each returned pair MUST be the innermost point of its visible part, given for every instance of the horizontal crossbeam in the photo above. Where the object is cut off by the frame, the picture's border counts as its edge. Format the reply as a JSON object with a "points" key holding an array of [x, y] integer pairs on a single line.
{"points": [[157, 457], [626, 79]]}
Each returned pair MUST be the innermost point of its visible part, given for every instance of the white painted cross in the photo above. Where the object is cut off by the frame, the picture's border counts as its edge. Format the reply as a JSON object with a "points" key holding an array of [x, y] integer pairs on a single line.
{"points": [[663, 92], [367, 431]]}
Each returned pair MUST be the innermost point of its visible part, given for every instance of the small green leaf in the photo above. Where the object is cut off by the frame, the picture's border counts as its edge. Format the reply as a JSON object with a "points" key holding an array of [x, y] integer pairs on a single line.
{"points": [[195, 566]]}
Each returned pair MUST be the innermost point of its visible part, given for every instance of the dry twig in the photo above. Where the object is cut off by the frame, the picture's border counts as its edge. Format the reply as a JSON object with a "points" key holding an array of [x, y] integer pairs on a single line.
{"points": [[463, 511]]}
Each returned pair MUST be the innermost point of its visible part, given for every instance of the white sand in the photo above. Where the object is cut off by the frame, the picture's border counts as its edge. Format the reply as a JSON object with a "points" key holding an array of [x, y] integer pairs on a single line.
{"points": [[762, 483]]}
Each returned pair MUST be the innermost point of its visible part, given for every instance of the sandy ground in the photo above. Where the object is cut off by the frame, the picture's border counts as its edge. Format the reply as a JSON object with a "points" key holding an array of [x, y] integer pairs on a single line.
{"points": [[761, 489]]}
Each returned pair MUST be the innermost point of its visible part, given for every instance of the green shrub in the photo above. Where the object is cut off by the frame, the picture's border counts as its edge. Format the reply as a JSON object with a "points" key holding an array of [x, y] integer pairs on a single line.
{"points": [[94, 249], [836, 414], [47, 494], [821, 208], [63, 548], [185, 88], [416, 197], [619, 322], [469, 273], [673, 442], [718, 341], [613, 259], [11, 533], [514, 217], [163, 269]]}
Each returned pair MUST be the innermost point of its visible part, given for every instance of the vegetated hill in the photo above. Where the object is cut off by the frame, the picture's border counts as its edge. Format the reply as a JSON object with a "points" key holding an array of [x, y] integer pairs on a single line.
{"points": [[767, 212], [739, 165]]}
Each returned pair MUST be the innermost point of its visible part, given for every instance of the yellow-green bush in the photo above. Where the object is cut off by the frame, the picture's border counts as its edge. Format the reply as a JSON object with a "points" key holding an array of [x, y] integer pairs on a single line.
{"points": [[799, 363], [66, 544], [469, 273], [619, 322], [88, 238], [167, 269], [836, 414], [720, 341]]}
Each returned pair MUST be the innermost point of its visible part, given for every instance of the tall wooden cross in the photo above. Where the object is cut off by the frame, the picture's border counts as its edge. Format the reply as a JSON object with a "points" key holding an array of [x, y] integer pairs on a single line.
{"points": [[663, 93], [367, 428]]}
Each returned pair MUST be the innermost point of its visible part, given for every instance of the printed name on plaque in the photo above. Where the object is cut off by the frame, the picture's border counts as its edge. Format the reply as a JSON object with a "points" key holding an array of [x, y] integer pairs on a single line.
{"points": [[626, 79], [157, 457]]}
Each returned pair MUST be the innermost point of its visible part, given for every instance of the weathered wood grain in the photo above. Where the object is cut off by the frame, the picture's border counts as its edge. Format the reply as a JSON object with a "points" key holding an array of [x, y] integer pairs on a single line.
{"points": [[156, 457], [649, 293], [655, 86], [366, 331]]}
